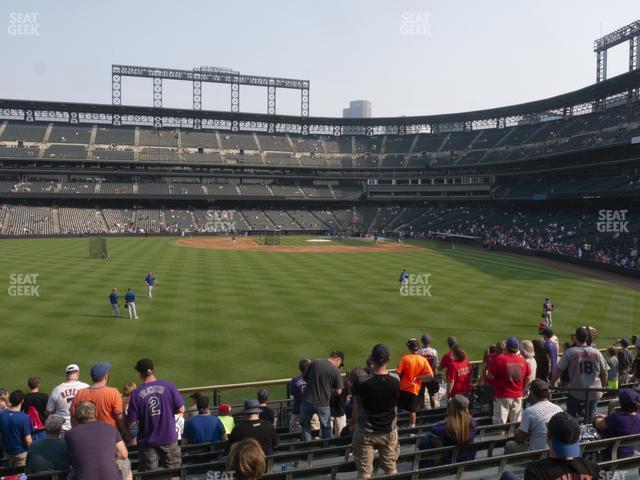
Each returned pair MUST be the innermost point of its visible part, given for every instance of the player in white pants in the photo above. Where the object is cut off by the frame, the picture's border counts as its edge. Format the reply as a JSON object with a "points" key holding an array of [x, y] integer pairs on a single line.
{"points": [[150, 281], [130, 298]]}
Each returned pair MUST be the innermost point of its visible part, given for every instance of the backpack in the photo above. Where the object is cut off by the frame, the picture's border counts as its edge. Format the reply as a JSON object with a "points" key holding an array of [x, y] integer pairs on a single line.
{"points": [[34, 418]]}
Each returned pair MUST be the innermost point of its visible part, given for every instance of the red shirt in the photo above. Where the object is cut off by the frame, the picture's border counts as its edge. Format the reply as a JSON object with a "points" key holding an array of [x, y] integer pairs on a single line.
{"points": [[510, 371], [460, 373], [446, 360]]}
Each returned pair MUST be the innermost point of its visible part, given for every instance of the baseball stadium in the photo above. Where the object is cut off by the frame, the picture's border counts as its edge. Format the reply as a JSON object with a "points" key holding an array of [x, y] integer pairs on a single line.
{"points": [[235, 244]]}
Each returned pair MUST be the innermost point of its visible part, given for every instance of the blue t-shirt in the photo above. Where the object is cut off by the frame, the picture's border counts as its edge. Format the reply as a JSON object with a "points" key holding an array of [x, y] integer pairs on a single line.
{"points": [[203, 429], [150, 280], [15, 426], [113, 298], [297, 386], [130, 297]]}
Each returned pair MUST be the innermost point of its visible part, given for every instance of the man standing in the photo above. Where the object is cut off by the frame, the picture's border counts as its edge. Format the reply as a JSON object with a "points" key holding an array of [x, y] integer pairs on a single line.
{"points": [[430, 388], [374, 416], [586, 369], [108, 401], [624, 362], [508, 374], [252, 427], [150, 282], [204, 427], [550, 344], [62, 396], [547, 312], [151, 418], [296, 389], [113, 299], [446, 358], [323, 381], [413, 369], [404, 279], [16, 430], [532, 432], [130, 299], [94, 446], [38, 401]]}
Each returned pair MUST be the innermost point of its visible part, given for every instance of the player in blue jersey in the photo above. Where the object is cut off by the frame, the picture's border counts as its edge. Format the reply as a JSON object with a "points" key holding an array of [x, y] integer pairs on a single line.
{"points": [[404, 279], [150, 282], [130, 298], [113, 299]]}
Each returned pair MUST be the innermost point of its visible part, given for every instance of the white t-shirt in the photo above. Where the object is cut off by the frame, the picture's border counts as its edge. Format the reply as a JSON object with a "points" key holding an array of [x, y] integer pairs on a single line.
{"points": [[61, 398], [534, 422]]}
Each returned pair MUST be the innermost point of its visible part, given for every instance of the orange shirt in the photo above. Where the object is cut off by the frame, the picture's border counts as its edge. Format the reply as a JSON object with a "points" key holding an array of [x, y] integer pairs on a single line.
{"points": [[107, 400], [411, 366]]}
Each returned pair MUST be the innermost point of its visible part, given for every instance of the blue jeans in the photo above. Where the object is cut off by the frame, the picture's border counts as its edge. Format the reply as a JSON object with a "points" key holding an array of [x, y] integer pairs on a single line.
{"points": [[324, 414], [573, 406]]}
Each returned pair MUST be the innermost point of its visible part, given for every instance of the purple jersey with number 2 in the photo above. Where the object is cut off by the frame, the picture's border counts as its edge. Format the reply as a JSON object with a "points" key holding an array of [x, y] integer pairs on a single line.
{"points": [[153, 406]]}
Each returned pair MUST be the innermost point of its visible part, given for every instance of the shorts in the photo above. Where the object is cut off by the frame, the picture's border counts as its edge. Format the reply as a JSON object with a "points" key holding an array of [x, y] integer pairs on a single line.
{"points": [[164, 456], [365, 443], [408, 401]]}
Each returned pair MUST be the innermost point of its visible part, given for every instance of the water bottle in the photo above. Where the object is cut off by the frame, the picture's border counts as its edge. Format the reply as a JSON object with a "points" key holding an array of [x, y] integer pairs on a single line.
{"points": [[284, 467]]}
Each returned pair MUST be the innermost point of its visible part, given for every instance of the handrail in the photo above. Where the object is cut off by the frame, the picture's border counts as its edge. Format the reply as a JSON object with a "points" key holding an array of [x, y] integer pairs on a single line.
{"points": [[218, 389]]}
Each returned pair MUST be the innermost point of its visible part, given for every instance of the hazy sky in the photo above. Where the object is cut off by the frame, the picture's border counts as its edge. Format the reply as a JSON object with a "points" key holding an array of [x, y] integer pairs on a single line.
{"points": [[408, 57]]}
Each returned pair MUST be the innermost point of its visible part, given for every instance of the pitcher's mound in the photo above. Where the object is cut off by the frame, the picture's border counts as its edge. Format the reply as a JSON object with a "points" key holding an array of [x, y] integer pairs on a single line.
{"points": [[249, 244]]}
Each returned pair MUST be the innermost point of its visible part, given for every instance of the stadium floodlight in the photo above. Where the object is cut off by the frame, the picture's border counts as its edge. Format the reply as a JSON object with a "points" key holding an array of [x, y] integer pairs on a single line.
{"points": [[630, 33]]}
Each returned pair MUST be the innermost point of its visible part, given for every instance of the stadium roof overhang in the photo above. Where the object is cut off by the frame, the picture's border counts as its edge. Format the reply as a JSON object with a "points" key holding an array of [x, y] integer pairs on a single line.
{"points": [[597, 96]]}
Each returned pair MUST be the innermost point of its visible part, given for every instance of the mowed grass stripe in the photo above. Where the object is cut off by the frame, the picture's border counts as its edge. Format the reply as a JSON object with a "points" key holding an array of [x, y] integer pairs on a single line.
{"points": [[229, 316]]}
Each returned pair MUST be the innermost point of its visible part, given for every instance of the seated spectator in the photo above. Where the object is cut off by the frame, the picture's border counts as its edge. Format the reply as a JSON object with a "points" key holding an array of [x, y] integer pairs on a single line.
{"points": [[458, 428], [625, 422], [35, 406], [563, 439], [246, 460], [532, 432], [224, 414], [252, 427], [94, 446], [267, 413], [204, 427], [16, 430], [50, 453]]}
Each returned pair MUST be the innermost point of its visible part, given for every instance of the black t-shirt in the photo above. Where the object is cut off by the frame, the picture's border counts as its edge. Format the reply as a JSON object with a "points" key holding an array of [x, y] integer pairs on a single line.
{"points": [[322, 379], [377, 396], [37, 400], [338, 403], [560, 469], [267, 414], [260, 430]]}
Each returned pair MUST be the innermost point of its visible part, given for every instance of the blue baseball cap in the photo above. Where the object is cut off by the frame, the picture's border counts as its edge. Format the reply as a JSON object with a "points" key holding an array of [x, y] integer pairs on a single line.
{"points": [[100, 370], [564, 432], [513, 342]]}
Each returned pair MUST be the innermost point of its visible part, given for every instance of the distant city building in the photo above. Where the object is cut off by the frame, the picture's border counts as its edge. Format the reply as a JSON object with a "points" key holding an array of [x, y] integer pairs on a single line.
{"points": [[357, 109]]}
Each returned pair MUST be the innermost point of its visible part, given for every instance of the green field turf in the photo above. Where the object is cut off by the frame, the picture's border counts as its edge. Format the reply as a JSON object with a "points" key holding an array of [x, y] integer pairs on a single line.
{"points": [[223, 316]]}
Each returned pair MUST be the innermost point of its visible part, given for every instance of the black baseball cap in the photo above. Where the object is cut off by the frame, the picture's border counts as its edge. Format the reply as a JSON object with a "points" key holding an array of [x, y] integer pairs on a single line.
{"points": [[412, 344], [380, 354], [202, 402], [144, 365], [339, 354], [564, 432]]}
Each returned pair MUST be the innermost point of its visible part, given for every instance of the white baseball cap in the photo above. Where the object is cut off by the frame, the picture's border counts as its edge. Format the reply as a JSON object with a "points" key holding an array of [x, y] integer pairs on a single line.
{"points": [[72, 368]]}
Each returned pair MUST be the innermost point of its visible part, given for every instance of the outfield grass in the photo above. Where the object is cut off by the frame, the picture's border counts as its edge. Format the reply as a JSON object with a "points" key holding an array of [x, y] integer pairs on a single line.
{"points": [[223, 316]]}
